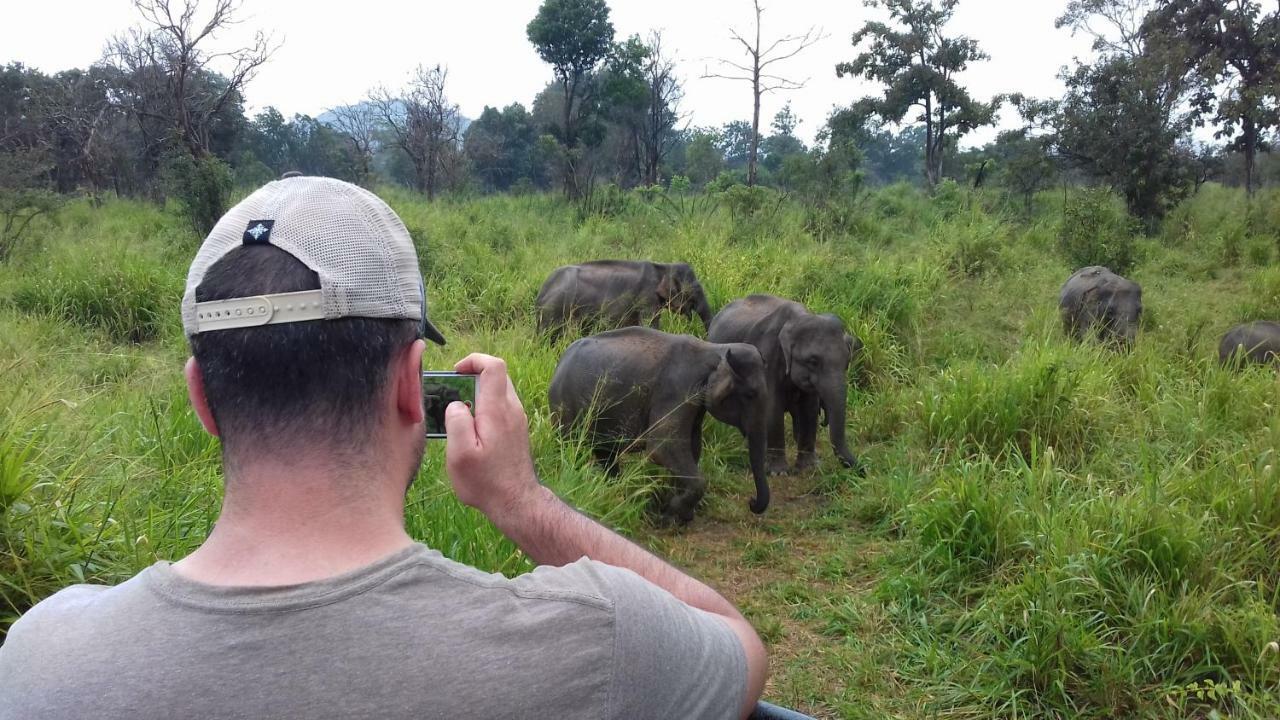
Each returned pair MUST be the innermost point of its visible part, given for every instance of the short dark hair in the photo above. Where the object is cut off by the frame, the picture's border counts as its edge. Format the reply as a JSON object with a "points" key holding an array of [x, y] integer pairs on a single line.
{"points": [[276, 385]]}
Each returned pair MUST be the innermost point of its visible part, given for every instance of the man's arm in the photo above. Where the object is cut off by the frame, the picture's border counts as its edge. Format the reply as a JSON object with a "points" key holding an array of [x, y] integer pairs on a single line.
{"points": [[488, 461]]}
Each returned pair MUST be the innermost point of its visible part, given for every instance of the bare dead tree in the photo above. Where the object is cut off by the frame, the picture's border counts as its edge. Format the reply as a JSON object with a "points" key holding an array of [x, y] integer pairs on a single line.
{"points": [[758, 74], [425, 125], [662, 114], [169, 57], [359, 122]]}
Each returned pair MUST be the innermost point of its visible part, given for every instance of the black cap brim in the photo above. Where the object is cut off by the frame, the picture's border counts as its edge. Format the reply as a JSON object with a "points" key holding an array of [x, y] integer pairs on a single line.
{"points": [[430, 332]]}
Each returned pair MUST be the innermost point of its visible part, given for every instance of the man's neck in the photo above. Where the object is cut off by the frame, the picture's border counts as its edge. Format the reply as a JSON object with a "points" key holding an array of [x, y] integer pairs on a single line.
{"points": [[289, 523]]}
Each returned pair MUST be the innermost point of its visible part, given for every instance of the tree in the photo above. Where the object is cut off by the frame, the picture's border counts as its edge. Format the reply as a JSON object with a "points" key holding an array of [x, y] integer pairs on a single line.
{"points": [[736, 139], [502, 147], [783, 143], [918, 64], [574, 37], [1228, 42], [423, 124], [1122, 117], [762, 79], [657, 134], [703, 158], [1024, 164], [359, 125], [170, 63], [887, 157]]}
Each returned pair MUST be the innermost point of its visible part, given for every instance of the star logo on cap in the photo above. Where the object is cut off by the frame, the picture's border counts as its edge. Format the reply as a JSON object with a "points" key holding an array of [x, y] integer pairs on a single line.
{"points": [[258, 232]]}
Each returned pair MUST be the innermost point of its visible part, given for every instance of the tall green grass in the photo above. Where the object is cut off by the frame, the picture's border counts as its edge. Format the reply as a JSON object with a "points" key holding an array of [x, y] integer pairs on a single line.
{"points": [[1064, 531]]}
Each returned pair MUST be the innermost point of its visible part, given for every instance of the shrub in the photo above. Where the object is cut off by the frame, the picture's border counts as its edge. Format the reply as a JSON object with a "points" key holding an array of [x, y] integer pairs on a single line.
{"points": [[18, 208], [202, 186], [1096, 231]]}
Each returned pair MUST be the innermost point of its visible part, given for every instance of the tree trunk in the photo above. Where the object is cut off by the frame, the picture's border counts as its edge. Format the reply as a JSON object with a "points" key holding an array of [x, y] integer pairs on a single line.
{"points": [[929, 178], [755, 128], [1250, 153]]}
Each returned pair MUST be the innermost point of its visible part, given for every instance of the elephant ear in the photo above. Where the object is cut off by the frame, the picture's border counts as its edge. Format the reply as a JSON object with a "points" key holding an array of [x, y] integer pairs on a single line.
{"points": [[720, 382], [668, 286], [787, 340]]}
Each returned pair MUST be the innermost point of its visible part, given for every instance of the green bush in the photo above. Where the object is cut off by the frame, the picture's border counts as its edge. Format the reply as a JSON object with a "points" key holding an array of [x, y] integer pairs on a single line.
{"points": [[202, 187], [1096, 230]]}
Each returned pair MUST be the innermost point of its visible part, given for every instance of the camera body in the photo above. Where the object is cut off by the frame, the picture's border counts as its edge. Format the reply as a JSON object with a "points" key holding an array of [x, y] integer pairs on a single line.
{"points": [[439, 388]]}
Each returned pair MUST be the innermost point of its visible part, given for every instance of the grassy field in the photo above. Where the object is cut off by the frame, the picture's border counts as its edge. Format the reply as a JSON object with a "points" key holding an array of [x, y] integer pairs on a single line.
{"points": [[1046, 530]]}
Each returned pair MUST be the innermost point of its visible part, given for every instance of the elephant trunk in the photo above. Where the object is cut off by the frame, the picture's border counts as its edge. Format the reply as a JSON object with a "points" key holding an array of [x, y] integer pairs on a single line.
{"points": [[757, 447], [832, 396]]}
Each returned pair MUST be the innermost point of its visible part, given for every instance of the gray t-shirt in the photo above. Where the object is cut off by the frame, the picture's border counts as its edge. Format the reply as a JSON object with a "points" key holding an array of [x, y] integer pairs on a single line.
{"points": [[415, 635]]}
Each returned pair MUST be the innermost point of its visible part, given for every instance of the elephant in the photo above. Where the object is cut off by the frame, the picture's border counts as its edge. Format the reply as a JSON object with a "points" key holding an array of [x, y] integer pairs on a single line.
{"points": [[1256, 342], [806, 359], [1098, 301], [616, 293], [640, 388], [436, 397]]}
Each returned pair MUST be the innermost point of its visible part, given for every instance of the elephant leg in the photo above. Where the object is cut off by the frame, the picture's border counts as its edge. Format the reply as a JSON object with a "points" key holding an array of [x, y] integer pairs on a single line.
{"points": [[687, 484], [804, 420], [777, 460], [606, 453], [695, 441]]}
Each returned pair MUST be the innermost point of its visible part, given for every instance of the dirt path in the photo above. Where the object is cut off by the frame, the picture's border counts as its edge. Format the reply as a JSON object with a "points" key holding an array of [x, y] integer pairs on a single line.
{"points": [[805, 575]]}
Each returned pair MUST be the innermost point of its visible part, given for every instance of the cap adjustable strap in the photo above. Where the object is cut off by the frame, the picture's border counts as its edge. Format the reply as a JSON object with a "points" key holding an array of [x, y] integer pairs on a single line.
{"points": [[260, 310]]}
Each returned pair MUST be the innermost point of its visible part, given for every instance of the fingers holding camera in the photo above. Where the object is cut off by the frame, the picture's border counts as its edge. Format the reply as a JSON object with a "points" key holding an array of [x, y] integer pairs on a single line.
{"points": [[487, 454]]}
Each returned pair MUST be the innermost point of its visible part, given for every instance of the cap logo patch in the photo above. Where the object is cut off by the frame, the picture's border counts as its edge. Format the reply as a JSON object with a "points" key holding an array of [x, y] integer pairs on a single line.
{"points": [[258, 232]]}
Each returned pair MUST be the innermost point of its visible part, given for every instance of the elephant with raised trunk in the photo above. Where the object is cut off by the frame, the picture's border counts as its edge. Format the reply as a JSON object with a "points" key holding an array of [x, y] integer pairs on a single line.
{"points": [[617, 293], [806, 359], [639, 388], [1255, 342], [1096, 301]]}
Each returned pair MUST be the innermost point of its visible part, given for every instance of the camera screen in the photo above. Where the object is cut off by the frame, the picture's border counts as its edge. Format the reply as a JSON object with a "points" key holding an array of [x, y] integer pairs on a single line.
{"points": [[441, 388]]}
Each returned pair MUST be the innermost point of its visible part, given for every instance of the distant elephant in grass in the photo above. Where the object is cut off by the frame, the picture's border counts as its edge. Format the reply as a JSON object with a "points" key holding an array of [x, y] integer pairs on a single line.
{"points": [[645, 388], [616, 293], [806, 360], [1096, 301], [1255, 342], [435, 398]]}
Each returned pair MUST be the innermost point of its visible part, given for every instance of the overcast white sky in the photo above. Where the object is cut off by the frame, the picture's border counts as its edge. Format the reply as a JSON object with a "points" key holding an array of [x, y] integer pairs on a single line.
{"points": [[333, 52]]}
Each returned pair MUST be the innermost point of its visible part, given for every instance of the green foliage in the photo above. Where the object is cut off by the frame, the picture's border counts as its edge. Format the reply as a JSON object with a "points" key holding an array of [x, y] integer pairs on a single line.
{"points": [[917, 64], [127, 295], [1032, 402], [703, 158], [1122, 117], [1046, 530], [18, 209], [753, 210], [202, 186], [1095, 232]]}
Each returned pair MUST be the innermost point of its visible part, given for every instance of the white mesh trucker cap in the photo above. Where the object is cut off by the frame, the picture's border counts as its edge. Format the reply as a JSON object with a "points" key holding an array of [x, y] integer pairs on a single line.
{"points": [[355, 243]]}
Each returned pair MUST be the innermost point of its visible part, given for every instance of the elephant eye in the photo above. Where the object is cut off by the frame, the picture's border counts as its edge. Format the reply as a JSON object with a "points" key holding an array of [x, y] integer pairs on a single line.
{"points": [[813, 361]]}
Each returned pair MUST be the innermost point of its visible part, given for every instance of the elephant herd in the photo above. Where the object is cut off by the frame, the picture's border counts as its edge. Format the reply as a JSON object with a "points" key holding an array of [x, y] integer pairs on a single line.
{"points": [[635, 388], [1095, 301]]}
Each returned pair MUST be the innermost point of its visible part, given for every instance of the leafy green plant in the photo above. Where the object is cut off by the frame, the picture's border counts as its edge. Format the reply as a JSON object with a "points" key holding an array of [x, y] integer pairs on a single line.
{"points": [[201, 185], [1095, 231]]}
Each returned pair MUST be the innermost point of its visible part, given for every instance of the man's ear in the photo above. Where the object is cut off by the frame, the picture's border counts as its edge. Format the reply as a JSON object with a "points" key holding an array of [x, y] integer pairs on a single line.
{"points": [[195, 393], [406, 376]]}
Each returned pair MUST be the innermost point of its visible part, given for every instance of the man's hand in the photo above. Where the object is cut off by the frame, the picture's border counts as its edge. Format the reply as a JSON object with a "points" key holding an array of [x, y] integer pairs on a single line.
{"points": [[487, 456]]}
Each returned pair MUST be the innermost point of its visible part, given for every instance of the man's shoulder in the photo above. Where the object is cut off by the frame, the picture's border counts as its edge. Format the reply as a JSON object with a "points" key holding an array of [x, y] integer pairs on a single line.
{"points": [[69, 602], [62, 618]]}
